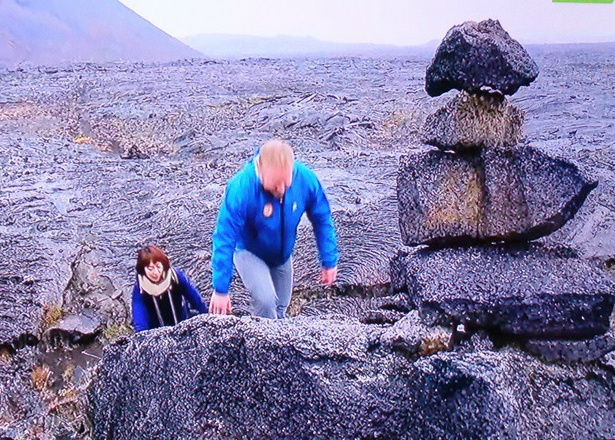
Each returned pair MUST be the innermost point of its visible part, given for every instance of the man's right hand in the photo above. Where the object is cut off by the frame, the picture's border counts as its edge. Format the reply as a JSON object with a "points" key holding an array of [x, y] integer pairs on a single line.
{"points": [[220, 304]]}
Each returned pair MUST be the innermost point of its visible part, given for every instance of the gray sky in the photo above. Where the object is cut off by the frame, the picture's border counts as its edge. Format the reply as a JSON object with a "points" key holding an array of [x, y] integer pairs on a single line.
{"points": [[400, 22]]}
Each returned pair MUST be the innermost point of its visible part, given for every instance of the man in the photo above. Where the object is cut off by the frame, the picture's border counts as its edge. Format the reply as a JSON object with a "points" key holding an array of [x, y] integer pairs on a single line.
{"points": [[257, 227]]}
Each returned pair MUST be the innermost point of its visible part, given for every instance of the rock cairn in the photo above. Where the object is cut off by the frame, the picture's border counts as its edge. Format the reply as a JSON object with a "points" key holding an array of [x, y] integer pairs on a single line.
{"points": [[481, 197]]}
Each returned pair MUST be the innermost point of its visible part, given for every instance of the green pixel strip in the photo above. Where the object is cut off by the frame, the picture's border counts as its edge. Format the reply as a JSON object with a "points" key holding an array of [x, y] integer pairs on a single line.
{"points": [[582, 1]]}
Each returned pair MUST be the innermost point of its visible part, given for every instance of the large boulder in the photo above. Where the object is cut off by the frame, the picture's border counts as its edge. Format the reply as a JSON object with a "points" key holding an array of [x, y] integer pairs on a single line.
{"points": [[479, 57], [526, 291], [472, 122], [225, 378], [516, 194]]}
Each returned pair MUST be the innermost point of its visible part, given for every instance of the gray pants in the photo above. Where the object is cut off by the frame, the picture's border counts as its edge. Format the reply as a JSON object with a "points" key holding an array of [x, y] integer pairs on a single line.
{"points": [[269, 287]]}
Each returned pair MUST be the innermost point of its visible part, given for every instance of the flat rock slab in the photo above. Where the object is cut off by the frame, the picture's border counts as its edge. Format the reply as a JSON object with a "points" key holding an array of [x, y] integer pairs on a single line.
{"points": [[512, 194], [224, 377], [527, 291], [473, 122], [479, 57], [76, 328]]}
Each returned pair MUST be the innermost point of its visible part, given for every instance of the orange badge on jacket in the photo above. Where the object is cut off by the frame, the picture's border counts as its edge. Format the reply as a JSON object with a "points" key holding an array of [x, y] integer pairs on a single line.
{"points": [[268, 210]]}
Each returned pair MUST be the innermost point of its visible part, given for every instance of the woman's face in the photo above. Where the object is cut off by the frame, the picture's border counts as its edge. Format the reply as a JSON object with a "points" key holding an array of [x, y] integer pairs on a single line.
{"points": [[154, 271]]}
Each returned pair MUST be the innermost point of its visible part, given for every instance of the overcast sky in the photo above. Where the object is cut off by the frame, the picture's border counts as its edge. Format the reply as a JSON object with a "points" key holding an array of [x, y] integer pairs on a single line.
{"points": [[400, 22]]}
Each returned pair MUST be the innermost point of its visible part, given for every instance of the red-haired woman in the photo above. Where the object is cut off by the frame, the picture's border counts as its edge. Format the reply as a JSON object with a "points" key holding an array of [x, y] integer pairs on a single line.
{"points": [[160, 293]]}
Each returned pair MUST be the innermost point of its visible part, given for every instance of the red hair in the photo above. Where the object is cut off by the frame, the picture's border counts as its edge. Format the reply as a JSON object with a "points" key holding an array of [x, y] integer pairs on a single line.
{"points": [[151, 254]]}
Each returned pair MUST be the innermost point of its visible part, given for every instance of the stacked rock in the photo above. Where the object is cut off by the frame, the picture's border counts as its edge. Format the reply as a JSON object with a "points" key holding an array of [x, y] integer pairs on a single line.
{"points": [[482, 196]]}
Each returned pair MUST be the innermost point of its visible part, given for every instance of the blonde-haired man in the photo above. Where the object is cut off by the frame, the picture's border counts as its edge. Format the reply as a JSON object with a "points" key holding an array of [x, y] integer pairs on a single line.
{"points": [[257, 228]]}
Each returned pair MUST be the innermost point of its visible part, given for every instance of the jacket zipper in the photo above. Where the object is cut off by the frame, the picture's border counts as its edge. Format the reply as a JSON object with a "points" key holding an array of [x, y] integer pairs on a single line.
{"points": [[282, 230]]}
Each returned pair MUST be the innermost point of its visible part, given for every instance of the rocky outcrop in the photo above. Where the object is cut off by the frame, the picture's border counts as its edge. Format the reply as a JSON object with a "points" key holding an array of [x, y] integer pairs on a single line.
{"points": [[525, 292], [479, 57], [473, 122], [500, 195], [331, 378]]}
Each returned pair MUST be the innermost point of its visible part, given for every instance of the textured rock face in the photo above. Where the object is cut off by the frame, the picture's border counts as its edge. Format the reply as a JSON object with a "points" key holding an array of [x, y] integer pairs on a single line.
{"points": [[479, 57], [213, 377], [18, 399], [472, 122], [19, 313], [411, 336], [527, 291], [518, 194]]}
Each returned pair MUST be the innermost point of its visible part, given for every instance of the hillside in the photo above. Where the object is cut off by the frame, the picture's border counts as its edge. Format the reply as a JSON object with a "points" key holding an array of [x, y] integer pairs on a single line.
{"points": [[57, 31], [227, 46]]}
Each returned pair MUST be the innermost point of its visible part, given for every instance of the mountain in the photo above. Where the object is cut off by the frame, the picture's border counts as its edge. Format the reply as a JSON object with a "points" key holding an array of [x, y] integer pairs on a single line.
{"points": [[57, 31], [243, 46]]}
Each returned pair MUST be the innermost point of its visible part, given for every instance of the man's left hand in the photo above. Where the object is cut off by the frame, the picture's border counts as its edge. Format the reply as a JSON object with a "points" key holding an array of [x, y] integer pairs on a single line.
{"points": [[328, 275]]}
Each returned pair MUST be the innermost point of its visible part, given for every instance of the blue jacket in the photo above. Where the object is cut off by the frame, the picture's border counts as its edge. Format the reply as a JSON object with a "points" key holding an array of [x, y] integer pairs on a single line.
{"points": [[144, 315], [253, 219]]}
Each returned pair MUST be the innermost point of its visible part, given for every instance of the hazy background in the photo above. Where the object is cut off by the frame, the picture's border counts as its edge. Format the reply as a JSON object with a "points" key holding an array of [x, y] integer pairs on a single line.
{"points": [[398, 22]]}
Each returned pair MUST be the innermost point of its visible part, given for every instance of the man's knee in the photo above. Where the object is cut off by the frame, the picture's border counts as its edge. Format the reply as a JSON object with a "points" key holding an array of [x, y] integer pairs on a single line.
{"points": [[264, 307]]}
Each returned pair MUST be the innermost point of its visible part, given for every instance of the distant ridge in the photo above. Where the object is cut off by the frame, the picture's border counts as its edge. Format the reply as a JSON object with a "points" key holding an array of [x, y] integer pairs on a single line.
{"points": [[227, 46], [58, 31]]}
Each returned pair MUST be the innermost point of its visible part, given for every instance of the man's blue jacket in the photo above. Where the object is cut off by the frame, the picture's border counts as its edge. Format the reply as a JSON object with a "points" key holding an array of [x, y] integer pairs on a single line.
{"points": [[253, 219]]}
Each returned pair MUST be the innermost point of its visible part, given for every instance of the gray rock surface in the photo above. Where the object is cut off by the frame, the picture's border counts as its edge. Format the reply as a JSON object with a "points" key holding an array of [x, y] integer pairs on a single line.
{"points": [[479, 57], [473, 122], [319, 378], [515, 194], [367, 309], [527, 291]]}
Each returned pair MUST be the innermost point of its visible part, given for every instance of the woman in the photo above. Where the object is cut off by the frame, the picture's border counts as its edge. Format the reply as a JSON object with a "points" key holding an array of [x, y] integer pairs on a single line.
{"points": [[160, 293]]}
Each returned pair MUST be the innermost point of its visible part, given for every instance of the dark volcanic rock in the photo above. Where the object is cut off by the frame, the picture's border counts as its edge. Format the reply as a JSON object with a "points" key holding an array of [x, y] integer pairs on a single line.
{"points": [[526, 291], [213, 377], [586, 350], [479, 57], [473, 122], [514, 194]]}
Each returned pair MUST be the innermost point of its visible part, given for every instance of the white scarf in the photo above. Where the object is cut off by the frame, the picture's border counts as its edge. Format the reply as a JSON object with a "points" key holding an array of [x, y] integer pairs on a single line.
{"points": [[154, 289]]}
